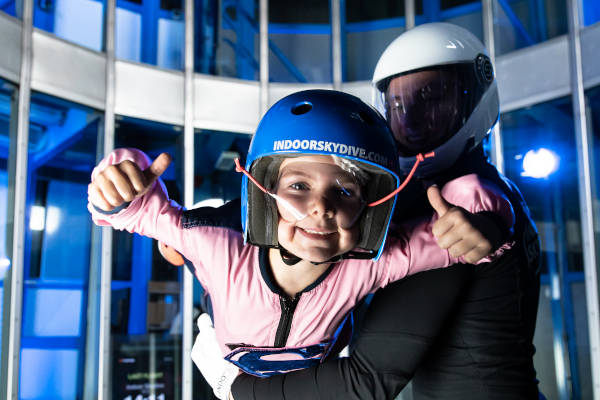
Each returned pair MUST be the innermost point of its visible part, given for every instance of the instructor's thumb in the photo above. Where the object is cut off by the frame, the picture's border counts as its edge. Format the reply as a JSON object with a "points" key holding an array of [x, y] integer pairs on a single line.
{"points": [[437, 201]]}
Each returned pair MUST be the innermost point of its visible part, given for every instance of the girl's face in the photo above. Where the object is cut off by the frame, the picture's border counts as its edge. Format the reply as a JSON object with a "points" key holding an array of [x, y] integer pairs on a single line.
{"points": [[331, 202]]}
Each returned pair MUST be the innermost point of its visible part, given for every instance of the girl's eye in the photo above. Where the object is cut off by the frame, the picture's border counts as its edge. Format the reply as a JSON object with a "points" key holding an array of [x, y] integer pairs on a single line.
{"points": [[299, 186], [348, 193]]}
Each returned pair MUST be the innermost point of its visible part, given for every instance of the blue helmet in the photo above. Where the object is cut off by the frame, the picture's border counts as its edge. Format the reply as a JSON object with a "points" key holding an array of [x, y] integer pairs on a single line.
{"points": [[321, 122]]}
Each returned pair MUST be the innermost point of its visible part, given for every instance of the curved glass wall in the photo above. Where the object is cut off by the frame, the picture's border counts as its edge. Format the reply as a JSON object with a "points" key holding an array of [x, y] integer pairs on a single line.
{"points": [[226, 38], [295, 30], [459, 12], [78, 21], [151, 32], [58, 242], [523, 23], [145, 304], [540, 157], [369, 27], [12, 7]]}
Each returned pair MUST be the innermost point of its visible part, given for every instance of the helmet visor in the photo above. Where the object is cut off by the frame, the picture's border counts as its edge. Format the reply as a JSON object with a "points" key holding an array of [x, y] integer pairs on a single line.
{"points": [[425, 108], [318, 186]]}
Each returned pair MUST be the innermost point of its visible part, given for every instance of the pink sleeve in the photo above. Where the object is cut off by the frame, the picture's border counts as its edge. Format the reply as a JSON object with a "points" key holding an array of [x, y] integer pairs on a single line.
{"points": [[475, 194], [412, 248], [153, 215]]}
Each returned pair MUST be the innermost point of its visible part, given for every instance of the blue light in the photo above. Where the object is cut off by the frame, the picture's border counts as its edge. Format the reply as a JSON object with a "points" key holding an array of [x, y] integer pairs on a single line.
{"points": [[539, 163]]}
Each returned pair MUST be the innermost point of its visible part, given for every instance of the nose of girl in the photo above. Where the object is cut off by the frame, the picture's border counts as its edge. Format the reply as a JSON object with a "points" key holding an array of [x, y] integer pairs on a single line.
{"points": [[321, 206]]}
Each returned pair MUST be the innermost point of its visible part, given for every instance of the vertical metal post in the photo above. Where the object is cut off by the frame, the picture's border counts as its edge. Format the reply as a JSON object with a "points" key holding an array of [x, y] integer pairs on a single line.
{"points": [[409, 14], [586, 195], [336, 43], [17, 172], [104, 343], [555, 242], [93, 332], [188, 200], [487, 13], [264, 55]]}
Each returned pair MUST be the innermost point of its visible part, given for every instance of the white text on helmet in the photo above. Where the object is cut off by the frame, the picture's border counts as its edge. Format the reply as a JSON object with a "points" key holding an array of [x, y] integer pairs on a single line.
{"points": [[329, 147]]}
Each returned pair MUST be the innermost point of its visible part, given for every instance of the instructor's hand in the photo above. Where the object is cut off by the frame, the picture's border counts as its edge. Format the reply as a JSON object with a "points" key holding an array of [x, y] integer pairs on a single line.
{"points": [[207, 356], [461, 232], [124, 182]]}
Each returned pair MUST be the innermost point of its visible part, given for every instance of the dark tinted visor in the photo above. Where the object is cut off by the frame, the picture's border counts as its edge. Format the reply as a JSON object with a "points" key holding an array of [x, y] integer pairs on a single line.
{"points": [[426, 107]]}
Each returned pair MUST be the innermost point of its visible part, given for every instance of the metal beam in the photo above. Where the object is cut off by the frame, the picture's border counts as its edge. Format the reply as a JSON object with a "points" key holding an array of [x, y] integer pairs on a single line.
{"points": [[336, 43], [104, 347], [187, 303], [586, 195], [409, 14], [490, 44], [264, 55], [17, 172]]}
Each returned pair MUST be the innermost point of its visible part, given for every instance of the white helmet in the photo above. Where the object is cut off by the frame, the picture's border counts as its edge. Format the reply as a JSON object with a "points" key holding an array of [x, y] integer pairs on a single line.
{"points": [[435, 85]]}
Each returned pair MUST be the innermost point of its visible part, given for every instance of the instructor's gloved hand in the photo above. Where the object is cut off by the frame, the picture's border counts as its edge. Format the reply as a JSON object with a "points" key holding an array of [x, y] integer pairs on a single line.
{"points": [[207, 356]]}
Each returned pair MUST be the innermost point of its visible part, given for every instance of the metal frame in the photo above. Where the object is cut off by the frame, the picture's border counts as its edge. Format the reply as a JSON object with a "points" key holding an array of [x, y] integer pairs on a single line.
{"points": [[188, 199], [13, 283], [264, 56], [336, 42], [409, 14], [488, 33], [586, 194], [104, 346]]}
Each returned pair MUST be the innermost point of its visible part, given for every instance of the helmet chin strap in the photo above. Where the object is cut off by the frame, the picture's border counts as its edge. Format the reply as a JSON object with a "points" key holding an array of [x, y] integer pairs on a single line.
{"points": [[292, 259]]}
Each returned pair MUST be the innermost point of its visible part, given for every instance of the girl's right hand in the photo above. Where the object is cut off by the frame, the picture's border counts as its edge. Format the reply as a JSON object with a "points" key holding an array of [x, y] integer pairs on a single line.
{"points": [[124, 182]]}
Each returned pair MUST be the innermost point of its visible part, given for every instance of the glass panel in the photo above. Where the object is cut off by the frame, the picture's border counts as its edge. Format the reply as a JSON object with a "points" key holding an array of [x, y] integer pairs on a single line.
{"points": [[540, 156], [591, 11], [369, 28], [145, 310], [151, 32], [593, 111], [522, 23], [12, 7], [215, 182], [465, 13], [78, 21], [62, 153], [295, 30], [49, 374], [7, 91]]}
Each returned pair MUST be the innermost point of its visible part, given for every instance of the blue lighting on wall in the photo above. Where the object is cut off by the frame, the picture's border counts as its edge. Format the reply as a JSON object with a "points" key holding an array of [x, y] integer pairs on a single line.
{"points": [[540, 163]]}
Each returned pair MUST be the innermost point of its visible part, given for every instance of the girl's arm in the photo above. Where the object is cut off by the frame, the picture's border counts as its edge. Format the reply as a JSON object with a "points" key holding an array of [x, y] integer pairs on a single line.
{"points": [[125, 193], [456, 233]]}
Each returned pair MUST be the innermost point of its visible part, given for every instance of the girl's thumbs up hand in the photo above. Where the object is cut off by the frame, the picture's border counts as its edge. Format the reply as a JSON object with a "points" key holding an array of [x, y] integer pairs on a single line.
{"points": [[462, 233], [124, 182]]}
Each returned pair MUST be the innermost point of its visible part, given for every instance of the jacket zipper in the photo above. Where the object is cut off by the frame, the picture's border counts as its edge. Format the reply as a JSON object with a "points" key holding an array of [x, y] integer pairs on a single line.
{"points": [[288, 306]]}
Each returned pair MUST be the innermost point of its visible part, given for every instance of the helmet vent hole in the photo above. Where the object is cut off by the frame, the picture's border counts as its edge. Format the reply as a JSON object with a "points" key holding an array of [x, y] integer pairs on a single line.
{"points": [[302, 108]]}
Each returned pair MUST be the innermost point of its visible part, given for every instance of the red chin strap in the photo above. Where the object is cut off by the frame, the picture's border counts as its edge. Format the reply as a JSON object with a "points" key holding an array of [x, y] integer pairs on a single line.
{"points": [[419, 158]]}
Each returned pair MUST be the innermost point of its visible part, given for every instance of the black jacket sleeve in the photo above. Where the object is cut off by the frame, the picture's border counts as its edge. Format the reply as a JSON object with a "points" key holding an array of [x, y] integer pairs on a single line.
{"points": [[398, 330]]}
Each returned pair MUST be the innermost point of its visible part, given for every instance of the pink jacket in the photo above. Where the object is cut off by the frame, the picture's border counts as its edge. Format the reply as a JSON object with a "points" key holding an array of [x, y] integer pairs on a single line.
{"points": [[247, 308]]}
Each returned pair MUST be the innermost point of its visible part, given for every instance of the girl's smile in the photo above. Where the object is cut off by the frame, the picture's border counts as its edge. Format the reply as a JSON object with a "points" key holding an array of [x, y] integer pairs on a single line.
{"points": [[329, 197]]}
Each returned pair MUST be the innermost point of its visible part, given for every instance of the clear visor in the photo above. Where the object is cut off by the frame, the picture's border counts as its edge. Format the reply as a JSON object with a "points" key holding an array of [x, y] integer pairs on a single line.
{"points": [[425, 108], [318, 187]]}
